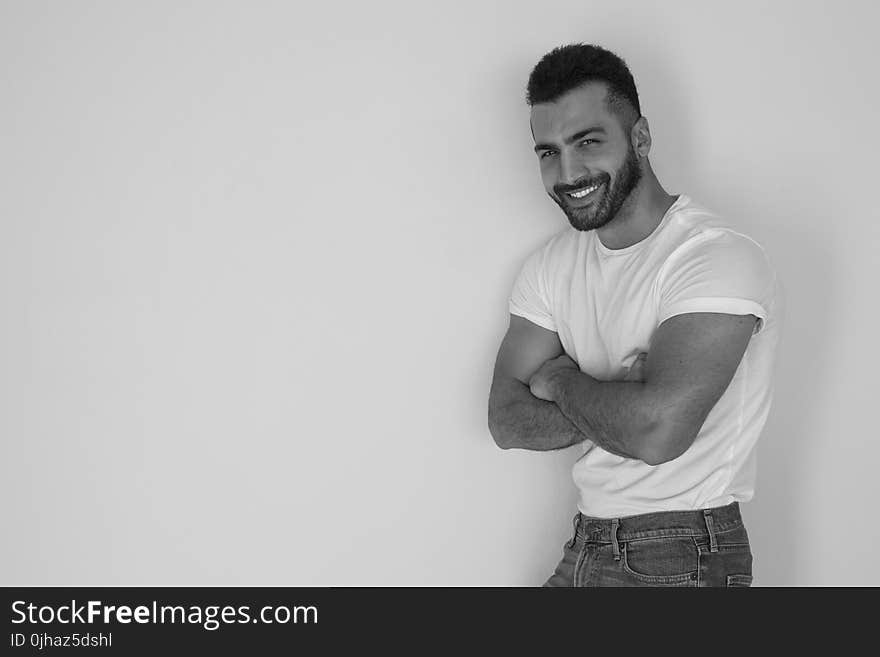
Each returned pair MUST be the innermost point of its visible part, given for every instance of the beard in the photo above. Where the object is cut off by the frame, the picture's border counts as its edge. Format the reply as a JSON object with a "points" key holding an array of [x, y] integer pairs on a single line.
{"points": [[606, 207]]}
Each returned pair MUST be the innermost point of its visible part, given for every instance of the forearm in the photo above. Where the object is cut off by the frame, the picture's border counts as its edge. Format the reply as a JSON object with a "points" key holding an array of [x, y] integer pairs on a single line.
{"points": [[519, 420], [619, 416]]}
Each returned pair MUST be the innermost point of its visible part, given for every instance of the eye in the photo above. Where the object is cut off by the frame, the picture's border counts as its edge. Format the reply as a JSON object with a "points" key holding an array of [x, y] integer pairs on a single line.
{"points": [[546, 154], [586, 142]]}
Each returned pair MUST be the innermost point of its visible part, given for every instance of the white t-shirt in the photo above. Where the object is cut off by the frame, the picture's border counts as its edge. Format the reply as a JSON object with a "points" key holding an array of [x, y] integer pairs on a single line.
{"points": [[605, 304]]}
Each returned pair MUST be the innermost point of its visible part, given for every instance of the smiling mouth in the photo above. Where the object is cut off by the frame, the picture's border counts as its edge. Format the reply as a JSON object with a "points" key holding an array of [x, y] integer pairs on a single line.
{"points": [[583, 192]]}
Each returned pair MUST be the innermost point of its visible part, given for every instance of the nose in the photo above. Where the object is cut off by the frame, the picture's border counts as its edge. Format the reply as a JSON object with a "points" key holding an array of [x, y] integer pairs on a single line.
{"points": [[570, 170]]}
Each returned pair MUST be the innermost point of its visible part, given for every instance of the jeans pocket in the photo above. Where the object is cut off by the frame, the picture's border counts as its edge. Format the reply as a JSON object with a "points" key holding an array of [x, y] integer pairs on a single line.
{"points": [[739, 580], [726, 562], [670, 561]]}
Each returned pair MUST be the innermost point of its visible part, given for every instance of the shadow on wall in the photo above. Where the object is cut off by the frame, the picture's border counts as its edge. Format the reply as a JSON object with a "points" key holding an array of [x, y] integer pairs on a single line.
{"points": [[775, 518]]}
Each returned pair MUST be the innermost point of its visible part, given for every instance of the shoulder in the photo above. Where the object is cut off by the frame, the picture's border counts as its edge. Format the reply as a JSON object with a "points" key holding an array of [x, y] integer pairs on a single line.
{"points": [[559, 248], [700, 236]]}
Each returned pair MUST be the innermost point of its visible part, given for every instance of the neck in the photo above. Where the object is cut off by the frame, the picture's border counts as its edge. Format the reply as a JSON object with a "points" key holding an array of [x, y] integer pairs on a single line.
{"points": [[640, 214]]}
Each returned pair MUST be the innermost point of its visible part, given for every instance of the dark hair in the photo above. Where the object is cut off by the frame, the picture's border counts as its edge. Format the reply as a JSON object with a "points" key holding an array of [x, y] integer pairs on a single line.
{"points": [[568, 67]]}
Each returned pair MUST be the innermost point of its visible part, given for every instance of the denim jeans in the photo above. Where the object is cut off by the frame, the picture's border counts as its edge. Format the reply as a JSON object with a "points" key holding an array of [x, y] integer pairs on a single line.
{"points": [[708, 547]]}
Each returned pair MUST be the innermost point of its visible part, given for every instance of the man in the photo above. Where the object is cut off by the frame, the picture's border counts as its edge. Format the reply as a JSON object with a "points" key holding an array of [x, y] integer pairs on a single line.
{"points": [[645, 333]]}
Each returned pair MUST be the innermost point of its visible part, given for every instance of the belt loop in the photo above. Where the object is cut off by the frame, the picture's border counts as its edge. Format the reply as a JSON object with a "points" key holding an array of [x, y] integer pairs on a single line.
{"points": [[615, 547], [710, 527], [574, 534]]}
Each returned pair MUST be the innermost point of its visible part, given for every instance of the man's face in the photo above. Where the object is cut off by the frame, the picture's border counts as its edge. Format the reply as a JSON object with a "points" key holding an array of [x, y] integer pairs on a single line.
{"points": [[588, 164]]}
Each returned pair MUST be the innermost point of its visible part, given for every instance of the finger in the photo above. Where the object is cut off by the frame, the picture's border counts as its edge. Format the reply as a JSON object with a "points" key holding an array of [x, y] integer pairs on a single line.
{"points": [[637, 371]]}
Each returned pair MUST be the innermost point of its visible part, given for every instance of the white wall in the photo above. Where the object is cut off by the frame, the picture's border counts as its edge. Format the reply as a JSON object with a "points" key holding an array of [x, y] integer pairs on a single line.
{"points": [[255, 262]]}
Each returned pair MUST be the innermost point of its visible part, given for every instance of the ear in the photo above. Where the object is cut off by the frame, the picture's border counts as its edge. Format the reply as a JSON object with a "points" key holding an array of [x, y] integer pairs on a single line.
{"points": [[640, 136]]}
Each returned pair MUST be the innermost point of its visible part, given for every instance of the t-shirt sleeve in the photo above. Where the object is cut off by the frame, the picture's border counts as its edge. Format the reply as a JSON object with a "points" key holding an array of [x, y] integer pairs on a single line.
{"points": [[529, 297], [718, 272]]}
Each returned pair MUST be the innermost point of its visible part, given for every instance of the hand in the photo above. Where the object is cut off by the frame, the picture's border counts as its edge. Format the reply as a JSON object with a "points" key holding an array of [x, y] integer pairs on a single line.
{"points": [[539, 383], [637, 371]]}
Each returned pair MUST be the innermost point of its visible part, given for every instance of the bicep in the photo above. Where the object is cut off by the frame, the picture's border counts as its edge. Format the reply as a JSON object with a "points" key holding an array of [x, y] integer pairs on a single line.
{"points": [[692, 359], [525, 347]]}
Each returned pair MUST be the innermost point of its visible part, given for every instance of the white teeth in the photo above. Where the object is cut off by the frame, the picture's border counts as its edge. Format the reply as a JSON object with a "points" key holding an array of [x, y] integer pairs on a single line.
{"points": [[583, 192]]}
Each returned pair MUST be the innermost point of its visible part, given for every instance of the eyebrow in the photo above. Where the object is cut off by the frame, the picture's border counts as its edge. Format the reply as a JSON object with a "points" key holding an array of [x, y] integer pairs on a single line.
{"points": [[569, 140]]}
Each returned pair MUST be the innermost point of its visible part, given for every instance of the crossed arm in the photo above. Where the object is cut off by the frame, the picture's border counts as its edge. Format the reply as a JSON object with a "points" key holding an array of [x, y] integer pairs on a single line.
{"points": [[540, 400]]}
